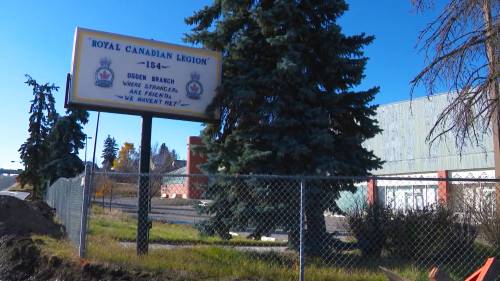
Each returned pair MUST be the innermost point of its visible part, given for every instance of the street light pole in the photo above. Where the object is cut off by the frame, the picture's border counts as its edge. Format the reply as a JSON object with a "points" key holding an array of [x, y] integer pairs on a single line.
{"points": [[86, 138]]}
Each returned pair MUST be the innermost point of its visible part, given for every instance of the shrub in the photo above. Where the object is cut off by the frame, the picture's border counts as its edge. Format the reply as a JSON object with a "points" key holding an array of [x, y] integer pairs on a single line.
{"points": [[103, 186], [490, 228], [483, 212], [369, 225], [434, 233]]}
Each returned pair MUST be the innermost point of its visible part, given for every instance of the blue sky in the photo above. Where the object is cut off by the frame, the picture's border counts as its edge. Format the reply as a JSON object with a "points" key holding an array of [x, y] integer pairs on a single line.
{"points": [[37, 38]]}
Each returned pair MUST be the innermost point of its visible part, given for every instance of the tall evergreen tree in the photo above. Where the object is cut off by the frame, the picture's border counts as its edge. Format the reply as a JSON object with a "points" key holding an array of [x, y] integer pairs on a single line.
{"points": [[162, 159], [164, 151], [34, 151], [64, 141], [287, 106], [109, 152], [174, 155]]}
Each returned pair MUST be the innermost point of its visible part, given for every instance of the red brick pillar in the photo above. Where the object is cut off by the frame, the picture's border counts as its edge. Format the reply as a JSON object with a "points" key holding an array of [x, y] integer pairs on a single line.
{"points": [[443, 187], [372, 191], [194, 160]]}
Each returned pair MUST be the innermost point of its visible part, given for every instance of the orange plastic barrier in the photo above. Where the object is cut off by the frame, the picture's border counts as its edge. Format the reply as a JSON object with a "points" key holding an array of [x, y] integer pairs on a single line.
{"points": [[488, 272]]}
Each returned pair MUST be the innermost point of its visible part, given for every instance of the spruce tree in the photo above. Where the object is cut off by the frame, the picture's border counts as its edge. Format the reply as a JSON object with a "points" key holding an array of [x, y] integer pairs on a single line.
{"points": [[164, 151], [174, 155], [109, 152], [163, 159], [288, 105], [64, 141], [34, 151]]}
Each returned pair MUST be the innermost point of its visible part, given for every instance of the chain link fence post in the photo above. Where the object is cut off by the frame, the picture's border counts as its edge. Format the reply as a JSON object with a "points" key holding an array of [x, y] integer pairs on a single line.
{"points": [[85, 211], [301, 235]]}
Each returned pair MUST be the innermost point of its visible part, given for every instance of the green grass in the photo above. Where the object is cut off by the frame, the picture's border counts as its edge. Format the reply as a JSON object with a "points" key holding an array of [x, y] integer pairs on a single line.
{"points": [[219, 263], [214, 263], [56, 247], [205, 260], [119, 226]]}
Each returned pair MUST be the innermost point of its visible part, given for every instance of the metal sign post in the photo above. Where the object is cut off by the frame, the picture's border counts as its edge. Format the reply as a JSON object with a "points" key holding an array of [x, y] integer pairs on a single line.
{"points": [[143, 204]]}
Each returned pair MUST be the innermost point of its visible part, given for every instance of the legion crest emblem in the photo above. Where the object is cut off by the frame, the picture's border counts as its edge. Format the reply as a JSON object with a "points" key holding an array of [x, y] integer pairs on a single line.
{"points": [[194, 89], [104, 75]]}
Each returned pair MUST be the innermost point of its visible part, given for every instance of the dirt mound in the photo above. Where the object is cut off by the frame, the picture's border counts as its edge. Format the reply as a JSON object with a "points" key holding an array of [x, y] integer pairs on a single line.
{"points": [[20, 259], [22, 218], [44, 209]]}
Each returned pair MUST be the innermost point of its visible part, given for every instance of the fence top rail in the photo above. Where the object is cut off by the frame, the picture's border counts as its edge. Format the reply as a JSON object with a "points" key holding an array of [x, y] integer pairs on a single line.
{"points": [[306, 177]]}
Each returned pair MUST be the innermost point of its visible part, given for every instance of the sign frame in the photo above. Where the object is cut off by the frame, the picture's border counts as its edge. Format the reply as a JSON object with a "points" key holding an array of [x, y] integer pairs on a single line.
{"points": [[72, 100]]}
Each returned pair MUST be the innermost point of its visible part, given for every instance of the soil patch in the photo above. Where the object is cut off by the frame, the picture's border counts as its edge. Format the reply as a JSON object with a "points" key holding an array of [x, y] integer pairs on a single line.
{"points": [[20, 259]]}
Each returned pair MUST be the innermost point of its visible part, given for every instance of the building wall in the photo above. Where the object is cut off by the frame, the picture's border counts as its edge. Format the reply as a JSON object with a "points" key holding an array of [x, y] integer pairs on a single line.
{"points": [[403, 146], [466, 196], [415, 193], [409, 194], [406, 152], [174, 190], [187, 185], [194, 160], [348, 201]]}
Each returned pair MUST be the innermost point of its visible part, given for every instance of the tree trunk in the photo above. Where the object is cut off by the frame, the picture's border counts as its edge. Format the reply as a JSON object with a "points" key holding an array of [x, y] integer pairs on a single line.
{"points": [[493, 66], [294, 237], [292, 220], [316, 235]]}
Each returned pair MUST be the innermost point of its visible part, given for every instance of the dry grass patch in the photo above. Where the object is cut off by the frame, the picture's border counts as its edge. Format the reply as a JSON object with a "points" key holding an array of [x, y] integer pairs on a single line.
{"points": [[18, 188]]}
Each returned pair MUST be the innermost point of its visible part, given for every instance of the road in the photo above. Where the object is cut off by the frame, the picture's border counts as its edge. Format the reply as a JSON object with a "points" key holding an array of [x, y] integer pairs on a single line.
{"points": [[8, 181], [260, 249], [160, 210], [186, 214], [20, 195]]}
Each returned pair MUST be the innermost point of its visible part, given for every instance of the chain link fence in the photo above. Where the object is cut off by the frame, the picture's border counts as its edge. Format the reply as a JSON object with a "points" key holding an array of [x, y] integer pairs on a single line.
{"points": [[310, 226], [66, 197]]}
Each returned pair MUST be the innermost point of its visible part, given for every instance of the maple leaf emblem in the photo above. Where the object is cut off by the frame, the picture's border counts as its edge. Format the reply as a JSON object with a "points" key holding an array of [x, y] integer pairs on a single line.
{"points": [[194, 88], [104, 75]]}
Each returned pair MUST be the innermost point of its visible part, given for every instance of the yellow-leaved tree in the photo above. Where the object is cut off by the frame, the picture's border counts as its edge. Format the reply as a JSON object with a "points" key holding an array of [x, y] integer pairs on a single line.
{"points": [[127, 160]]}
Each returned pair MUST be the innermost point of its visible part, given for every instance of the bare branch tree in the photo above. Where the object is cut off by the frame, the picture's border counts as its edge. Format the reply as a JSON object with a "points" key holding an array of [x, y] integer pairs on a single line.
{"points": [[461, 49]]}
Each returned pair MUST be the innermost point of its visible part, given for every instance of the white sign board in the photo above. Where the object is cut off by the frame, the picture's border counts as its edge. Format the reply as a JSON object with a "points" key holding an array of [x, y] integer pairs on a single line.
{"points": [[119, 73]]}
